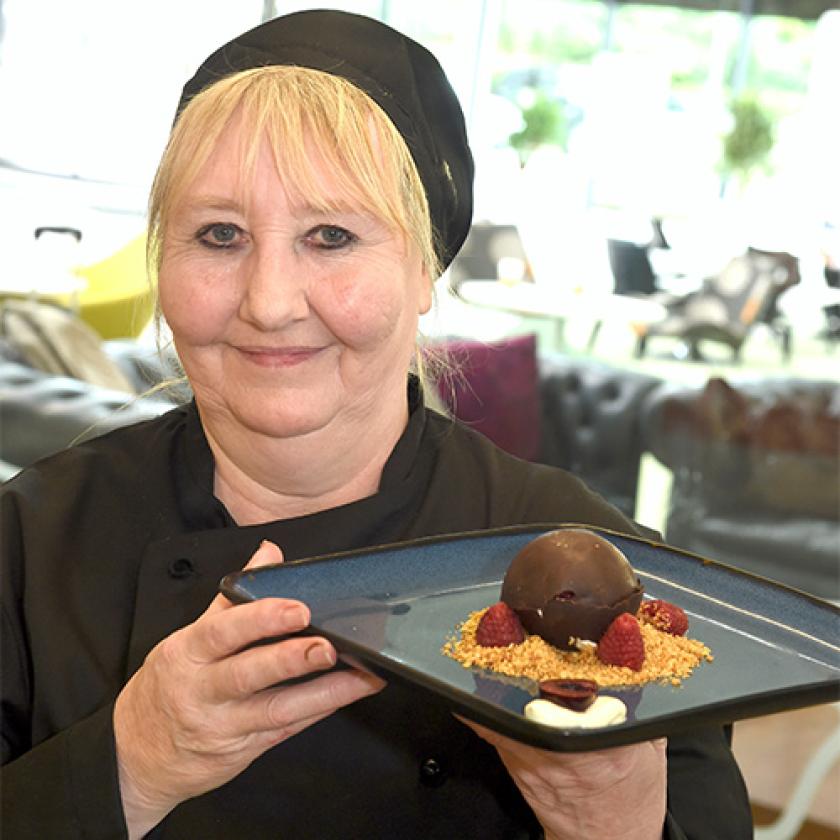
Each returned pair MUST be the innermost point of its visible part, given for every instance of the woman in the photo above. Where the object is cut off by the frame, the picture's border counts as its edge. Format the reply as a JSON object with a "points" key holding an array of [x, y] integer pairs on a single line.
{"points": [[317, 180]]}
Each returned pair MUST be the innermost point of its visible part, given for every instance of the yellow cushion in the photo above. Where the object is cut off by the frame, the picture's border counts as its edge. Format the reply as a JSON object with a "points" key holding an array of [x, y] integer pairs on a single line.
{"points": [[119, 299]]}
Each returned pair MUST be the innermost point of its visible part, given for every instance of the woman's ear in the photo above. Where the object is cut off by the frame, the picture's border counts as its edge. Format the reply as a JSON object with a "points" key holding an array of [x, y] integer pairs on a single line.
{"points": [[424, 299]]}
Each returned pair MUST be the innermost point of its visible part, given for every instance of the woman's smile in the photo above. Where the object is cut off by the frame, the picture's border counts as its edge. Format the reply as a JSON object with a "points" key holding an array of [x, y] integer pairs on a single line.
{"points": [[278, 357]]}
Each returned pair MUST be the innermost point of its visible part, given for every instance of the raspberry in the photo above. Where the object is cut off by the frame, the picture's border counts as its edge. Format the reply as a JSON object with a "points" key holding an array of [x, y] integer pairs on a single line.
{"points": [[664, 616], [499, 626], [622, 643]]}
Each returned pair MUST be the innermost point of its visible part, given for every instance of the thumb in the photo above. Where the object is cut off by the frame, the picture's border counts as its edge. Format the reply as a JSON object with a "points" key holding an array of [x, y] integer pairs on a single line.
{"points": [[267, 554]]}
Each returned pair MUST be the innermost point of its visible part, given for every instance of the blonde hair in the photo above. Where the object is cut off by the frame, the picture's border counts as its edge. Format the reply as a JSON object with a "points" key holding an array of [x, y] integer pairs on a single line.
{"points": [[300, 111]]}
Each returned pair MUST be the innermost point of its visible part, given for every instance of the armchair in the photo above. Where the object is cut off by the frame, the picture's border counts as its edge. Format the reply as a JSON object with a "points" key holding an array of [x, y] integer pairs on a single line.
{"points": [[745, 293]]}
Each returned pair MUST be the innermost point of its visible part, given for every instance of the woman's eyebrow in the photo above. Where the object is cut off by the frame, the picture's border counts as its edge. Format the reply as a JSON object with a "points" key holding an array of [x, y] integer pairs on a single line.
{"points": [[307, 209], [211, 202], [303, 209]]}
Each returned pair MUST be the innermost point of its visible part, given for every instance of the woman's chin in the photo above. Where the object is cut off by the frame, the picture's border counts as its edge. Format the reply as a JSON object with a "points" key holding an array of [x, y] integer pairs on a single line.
{"points": [[283, 418], [280, 424]]}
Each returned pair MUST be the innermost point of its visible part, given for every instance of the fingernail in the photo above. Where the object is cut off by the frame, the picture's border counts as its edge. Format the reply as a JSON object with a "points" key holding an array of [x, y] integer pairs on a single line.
{"points": [[298, 617], [321, 655]]}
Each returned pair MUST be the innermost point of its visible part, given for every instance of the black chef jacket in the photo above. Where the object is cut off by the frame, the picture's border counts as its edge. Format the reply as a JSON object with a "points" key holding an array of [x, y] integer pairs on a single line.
{"points": [[111, 545]]}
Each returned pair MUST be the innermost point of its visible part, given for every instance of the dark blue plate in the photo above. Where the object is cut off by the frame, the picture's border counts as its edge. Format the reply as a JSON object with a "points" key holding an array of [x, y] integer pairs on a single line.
{"points": [[393, 608]]}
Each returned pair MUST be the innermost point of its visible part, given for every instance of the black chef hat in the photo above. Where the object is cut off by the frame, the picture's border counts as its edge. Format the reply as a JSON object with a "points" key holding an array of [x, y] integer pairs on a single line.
{"points": [[401, 76]]}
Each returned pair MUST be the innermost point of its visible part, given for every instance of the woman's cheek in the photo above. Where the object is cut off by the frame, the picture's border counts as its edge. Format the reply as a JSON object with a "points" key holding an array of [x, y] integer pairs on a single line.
{"points": [[193, 305], [363, 313], [167, 293]]}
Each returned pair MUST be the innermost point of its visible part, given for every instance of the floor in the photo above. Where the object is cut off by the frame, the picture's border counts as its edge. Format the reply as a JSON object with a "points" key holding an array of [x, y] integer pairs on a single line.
{"points": [[772, 753], [809, 830]]}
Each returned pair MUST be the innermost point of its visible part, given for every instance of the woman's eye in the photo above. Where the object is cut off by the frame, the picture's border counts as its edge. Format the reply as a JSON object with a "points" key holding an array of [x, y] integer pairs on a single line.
{"points": [[219, 235], [330, 237]]}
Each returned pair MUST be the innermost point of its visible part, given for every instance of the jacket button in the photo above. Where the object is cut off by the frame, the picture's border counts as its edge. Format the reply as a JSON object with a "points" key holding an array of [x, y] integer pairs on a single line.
{"points": [[180, 568], [432, 773]]}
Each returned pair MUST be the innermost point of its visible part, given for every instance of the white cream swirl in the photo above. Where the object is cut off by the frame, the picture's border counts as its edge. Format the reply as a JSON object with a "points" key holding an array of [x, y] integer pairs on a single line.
{"points": [[604, 711]]}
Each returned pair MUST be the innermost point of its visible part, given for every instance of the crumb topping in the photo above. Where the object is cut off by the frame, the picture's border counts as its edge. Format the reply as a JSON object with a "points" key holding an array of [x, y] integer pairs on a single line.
{"points": [[667, 658]]}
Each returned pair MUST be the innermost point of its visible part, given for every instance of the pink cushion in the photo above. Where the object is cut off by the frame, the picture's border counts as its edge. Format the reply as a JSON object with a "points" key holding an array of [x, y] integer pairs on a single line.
{"points": [[496, 391]]}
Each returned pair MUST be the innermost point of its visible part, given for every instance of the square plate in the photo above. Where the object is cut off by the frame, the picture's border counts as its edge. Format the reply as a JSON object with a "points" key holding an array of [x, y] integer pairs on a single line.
{"points": [[392, 608]]}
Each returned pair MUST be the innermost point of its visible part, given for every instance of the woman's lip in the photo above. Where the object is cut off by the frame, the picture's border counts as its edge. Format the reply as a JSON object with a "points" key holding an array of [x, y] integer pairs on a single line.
{"points": [[278, 356]]}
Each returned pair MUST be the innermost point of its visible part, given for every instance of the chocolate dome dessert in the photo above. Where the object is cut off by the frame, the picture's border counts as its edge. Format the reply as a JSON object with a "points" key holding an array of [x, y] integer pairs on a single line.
{"points": [[570, 583]]}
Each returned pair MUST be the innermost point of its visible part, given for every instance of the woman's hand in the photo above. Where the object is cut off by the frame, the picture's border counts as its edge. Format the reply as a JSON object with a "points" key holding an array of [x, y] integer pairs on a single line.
{"points": [[204, 704], [618, 793]]}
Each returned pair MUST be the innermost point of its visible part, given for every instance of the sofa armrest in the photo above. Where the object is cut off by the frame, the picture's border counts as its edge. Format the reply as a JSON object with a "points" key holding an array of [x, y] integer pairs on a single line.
{"points": [[147, 367], [41, 414], [8, 470]]}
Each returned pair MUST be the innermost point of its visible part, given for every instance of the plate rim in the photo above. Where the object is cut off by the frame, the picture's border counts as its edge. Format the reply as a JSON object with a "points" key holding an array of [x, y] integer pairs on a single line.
{"points": [[227, 585]]}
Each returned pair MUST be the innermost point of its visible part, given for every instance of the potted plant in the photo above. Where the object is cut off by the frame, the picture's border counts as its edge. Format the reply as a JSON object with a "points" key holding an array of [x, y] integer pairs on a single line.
{"points": [[543, 123], [748, 143]]}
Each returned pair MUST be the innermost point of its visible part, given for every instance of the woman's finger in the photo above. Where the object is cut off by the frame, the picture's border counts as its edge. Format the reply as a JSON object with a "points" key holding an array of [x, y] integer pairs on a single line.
{"points": [[220, 634], [264, 666], [286, 710]]}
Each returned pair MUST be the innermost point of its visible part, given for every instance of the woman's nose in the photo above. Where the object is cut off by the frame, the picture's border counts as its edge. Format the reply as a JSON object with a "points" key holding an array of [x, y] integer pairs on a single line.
{"points": [[275, 292]]}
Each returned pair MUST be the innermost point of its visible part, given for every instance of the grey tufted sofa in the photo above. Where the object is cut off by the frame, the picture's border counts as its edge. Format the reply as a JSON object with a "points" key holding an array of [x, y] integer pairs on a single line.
{"points": [[591, 423], [41, 413], [756, 475]]}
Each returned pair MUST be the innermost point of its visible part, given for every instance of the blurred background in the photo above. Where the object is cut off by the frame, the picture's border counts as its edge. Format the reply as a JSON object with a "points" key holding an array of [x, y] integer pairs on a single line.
{"points": [[649, 296]]}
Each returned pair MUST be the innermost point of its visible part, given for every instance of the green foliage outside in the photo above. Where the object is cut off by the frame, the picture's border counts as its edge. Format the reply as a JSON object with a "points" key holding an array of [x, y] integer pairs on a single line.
{"points": [[545, 124], [781, 54], [554, 39], [559, 46], [750, 140], [553, 31]]}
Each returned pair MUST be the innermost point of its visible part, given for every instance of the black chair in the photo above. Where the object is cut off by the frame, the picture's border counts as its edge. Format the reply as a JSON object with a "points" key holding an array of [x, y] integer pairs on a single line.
{"points": [[479, 256], [831, 332], [633, 273], [659, 240], [631, 268]]}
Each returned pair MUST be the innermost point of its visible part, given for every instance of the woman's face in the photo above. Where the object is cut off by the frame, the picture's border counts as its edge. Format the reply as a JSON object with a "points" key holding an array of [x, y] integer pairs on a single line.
{"points": [[286, 319]]}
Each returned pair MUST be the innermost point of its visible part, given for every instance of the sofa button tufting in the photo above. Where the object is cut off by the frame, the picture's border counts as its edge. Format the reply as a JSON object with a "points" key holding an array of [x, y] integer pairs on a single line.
{"points": [[611, 391], [432, 773], [181, 567]]}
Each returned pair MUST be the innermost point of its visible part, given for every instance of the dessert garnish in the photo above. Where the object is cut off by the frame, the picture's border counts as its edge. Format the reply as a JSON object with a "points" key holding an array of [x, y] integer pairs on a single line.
{"points": [[622, 643], [664, 616], [577, 695], [605, 711], [499, 626]]}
